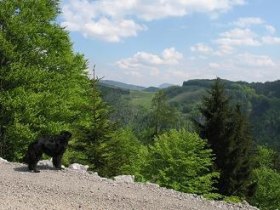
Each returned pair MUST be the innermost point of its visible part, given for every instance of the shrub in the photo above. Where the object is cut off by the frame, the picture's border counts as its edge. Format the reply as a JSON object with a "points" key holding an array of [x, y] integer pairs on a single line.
{"points": [[180, 160]]}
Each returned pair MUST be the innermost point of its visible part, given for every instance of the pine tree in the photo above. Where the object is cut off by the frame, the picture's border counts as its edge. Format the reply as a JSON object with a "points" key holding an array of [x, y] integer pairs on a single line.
{"points": [[94, 130], [236, 177], [122, 154], [163, 116], [228, 134], [43, 84], [216, 111]]}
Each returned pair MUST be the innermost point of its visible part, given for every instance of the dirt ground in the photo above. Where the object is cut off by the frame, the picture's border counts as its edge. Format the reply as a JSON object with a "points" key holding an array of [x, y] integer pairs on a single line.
{"points": [[69, 189]]}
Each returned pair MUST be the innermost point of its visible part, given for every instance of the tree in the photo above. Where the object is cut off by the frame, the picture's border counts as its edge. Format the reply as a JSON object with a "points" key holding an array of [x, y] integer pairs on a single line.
{"points": [[163, 116], [268, 190], [236, 178], [43, 84], [267, 158], [228, 134], [93, 129], [268, 179], [182, 161], [122, 154], [216, 115]]}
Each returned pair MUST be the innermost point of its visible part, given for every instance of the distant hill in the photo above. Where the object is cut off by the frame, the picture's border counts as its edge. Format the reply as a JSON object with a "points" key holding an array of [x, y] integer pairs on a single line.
{"points": [[151, 89], [121, 85], [260, 100], [155, 89], [165, 85]]}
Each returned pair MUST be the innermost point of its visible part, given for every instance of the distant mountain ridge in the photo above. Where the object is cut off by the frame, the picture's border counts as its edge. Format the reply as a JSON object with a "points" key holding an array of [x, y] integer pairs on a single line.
{"points": [[121, 85], [165, 85], [125, 86], [261, 102]]}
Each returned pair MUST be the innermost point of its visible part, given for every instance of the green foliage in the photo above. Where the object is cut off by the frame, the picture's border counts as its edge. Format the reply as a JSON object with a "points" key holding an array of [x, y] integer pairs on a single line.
{"points": [[216, 113], [180, 160], [237, 170], [265, 116], [228, 134], [163, 116], [260, 100], [232, 199], [43, 84], [93, 129], [267, 178], [268, 190], [141, 98], [266, 157], [122, 154]]}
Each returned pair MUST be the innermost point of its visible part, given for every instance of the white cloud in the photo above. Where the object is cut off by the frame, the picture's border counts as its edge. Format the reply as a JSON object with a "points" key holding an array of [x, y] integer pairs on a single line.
{"points": [[235, 39], [84, 17], [255, 60], [169, 56], [156, 9], [238, 37], [112, 20], [149, 66], [248, 21], [271, 40], [214, 65], [202, 48], [270, 29], [224, 49]]}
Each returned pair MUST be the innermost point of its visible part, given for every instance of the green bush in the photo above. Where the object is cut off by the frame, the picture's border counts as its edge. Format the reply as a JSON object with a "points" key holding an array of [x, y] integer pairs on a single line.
{"points": [[180, 160], [267, 195], [122, 154]]}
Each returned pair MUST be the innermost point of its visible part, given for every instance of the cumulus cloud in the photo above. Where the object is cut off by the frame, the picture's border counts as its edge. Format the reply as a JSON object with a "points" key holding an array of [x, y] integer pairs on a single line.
{"points": [[255, 60], [242, 35], [202, 48], [271, 40], [152, 68], [227, 41], [238, 37], [169, 56], [112, 21], [226, 56], [150, 10], [270, 29], [82, 16], [248, 21]]}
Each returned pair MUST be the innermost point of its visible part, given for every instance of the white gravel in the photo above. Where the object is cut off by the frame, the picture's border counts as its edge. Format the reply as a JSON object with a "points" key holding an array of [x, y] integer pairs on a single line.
{"points": [[69, 189]]}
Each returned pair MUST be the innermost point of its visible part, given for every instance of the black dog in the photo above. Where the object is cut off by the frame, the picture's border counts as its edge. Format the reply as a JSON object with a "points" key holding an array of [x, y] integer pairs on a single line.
{"points": [[53, 146]]}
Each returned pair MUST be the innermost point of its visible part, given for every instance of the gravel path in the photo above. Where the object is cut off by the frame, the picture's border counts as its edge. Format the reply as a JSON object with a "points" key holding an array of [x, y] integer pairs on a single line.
{"points": [[69, 189]]}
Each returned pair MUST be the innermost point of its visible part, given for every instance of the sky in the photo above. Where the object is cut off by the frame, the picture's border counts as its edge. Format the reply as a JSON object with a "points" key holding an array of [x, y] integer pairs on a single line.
{"points": [[151, 42]]}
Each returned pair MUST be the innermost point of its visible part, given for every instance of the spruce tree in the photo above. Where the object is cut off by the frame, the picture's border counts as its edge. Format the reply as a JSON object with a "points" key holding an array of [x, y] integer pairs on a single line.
{"points": [[228, 134], [236, 177], [163, 116], [216, 112], [94, 129]]}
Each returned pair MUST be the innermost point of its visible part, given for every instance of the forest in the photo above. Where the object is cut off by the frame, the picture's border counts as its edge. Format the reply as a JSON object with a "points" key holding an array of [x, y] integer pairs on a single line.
{"points": [[214, 138]]}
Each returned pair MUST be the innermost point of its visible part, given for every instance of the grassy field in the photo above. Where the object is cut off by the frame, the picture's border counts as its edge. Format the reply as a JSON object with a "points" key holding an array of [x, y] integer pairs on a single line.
{"points": [[141, 98]]}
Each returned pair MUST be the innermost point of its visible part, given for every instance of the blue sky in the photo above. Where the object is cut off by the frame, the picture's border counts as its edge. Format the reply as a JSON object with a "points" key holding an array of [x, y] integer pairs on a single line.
{"points": [[150, 42]]}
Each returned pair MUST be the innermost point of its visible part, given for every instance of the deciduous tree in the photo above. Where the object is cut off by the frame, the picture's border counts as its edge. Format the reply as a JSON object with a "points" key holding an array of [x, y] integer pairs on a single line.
{"points": [[43, 83]]}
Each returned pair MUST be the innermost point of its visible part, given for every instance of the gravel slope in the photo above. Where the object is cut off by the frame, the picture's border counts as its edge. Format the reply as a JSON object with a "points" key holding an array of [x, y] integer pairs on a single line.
{"points": [[69, 189]]}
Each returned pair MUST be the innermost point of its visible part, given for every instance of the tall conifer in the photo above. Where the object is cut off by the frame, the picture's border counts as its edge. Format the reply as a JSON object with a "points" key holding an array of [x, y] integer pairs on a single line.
{"points": [[216, 111], [228, 133]]}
